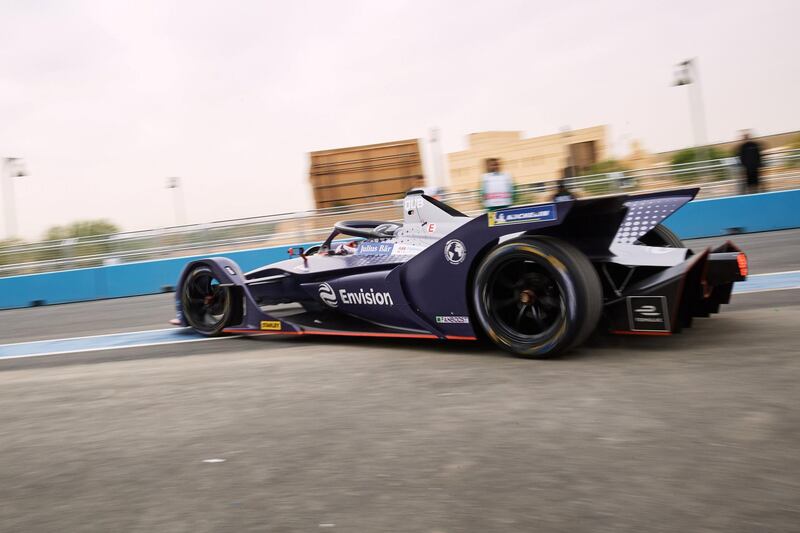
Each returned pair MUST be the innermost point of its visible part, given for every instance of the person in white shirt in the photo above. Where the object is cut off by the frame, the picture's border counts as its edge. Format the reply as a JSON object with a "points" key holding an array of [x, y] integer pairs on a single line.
{"points": [[497, 188]]}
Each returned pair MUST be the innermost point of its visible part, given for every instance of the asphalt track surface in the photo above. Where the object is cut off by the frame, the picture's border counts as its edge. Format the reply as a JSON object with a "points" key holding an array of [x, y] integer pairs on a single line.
{"points": [[695, 432]]}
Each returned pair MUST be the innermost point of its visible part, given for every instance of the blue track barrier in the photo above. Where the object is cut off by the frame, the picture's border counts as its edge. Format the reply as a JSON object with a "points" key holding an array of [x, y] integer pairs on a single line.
{"points": [[749, 213], [701, 218], [114, 281]]}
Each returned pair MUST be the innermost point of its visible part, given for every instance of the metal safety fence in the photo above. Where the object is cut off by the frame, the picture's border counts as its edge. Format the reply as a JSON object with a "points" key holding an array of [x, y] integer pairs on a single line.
{"points": [[721, 177]]}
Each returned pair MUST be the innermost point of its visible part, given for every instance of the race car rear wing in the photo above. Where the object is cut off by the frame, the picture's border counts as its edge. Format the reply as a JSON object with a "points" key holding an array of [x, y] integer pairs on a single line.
{"points": [[668, 301]]}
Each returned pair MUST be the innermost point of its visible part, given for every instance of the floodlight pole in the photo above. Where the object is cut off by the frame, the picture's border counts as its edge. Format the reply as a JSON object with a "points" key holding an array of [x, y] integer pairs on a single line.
{"points": [[689, 74], [174, 183], [436, 155], [8, 175]]}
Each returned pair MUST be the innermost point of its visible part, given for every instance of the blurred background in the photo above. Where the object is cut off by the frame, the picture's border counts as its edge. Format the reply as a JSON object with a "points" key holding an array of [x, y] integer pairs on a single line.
{"points": [[104, 102]]}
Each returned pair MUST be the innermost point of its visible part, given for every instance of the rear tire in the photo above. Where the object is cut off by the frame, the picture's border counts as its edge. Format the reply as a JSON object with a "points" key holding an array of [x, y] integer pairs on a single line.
{"points": [[207, 306], [537, 297], [662, 237]]}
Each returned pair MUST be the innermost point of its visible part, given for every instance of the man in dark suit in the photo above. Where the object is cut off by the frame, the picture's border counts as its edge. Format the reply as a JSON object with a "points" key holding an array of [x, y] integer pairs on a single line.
{"points": [[750, 158]]}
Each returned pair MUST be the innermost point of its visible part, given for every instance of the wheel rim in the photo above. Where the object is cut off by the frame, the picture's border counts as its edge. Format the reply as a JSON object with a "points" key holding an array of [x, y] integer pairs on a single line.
{"points": [[524, 300], [205, 301]]}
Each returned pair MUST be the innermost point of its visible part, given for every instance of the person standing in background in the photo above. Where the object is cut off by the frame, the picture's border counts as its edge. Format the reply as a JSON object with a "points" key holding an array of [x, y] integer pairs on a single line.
{"points": [[750, 159], [563, 193], [497, 188]]}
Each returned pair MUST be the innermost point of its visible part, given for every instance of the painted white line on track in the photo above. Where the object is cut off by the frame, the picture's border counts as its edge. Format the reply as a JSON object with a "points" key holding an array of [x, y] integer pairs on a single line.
{"points": [[773, 281], [97, 336], [754, 291], [3, 357]]}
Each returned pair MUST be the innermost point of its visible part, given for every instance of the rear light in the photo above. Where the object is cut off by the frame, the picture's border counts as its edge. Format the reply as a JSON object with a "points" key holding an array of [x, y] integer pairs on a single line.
{"points": [[741, 260]]}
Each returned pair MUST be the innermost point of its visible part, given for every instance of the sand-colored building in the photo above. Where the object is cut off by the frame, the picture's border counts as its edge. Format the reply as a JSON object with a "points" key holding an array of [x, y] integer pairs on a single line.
{"points": [[771, 142], [638, 157], [362, 174], [531, 160]]}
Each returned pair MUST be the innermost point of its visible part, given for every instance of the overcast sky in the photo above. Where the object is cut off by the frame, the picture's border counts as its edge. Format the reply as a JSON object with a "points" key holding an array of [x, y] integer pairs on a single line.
{"points": [[106, 99]]}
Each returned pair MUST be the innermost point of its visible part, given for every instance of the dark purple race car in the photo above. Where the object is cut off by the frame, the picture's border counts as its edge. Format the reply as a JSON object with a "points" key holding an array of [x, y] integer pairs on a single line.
{"points": [[535, 279]]}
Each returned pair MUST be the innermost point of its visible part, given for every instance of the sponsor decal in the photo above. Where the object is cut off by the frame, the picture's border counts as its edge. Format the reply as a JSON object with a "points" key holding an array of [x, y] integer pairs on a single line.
{"points": [[359, 297], [410, 202], [431, 228], [365, 297], [407, 249], [522, 215], [230, 270], [648, 313], [375, 248], [450, 319], [270, 325], [327, 295], [455, 252]]}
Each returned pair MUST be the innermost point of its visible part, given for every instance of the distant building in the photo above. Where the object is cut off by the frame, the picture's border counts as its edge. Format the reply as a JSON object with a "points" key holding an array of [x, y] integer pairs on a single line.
{"points": [[531, 160], [771, 142], [362, 174]]}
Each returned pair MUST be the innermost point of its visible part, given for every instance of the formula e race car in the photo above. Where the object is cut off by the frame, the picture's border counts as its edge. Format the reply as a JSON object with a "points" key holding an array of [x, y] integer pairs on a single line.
{"points": [[535, 279]]}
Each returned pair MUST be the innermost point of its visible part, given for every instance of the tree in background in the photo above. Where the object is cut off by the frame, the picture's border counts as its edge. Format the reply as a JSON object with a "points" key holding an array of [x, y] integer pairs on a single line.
{"points": [[81, 228], [686, 173], [601, 184]]}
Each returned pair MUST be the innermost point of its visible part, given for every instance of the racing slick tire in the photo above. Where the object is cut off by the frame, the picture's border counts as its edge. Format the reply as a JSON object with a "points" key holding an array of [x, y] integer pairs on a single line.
{"points": [[537, 297], [208, 307], [662, 237]]}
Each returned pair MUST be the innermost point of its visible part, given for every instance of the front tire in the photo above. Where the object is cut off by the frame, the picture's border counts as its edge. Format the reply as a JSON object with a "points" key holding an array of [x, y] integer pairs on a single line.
{"points": [[207, 306], [537, 297]]}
